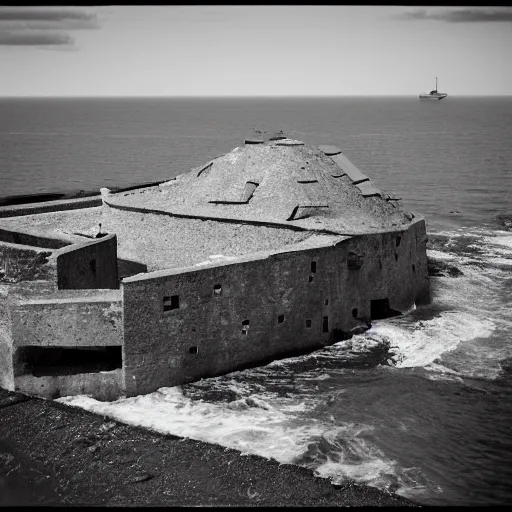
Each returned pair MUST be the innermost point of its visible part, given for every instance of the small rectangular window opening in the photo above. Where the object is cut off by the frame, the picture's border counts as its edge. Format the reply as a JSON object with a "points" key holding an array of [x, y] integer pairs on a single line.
{"points": [[354, 312], [313, 267], [217, 290], [192, 350], [245, 327], [308, 324], [326, 302], [414, 268], [280, 319], [325, 324], [92, 264], [172, 302]]}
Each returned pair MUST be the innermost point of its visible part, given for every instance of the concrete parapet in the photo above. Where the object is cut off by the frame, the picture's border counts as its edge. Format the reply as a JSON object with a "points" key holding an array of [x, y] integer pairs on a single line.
{"points": [[68, 320], [91, 264], [50, 206], [38, 238]]}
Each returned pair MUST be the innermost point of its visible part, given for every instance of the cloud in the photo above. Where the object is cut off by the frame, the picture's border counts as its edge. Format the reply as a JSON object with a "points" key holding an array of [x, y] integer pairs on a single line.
{"points": [[463, 15], [43, 26], [34, 39], [46, 14]]}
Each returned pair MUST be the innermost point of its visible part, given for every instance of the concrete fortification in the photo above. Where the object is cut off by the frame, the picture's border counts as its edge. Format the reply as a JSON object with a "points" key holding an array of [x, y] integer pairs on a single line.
{"points": [[272, 249]]}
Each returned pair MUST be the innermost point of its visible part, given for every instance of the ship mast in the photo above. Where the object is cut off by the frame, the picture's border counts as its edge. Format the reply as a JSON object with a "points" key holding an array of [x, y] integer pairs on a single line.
{"points": [[436, 83]]}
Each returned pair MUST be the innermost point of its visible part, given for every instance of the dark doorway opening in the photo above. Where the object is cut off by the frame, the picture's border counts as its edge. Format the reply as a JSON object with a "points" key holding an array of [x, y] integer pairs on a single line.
{"points": [[325, 324], [49, 361], [380, 309]]}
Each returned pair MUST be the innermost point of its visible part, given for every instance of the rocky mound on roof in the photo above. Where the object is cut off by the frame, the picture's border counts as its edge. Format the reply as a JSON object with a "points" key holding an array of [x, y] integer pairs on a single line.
{"points": [[278, 180]]}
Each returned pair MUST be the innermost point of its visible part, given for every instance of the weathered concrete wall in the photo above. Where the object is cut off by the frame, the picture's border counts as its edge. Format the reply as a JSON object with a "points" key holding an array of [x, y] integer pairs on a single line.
{"points": [[68, 319], [166, 345], [6, 349], [102, 386], [23, 262], [50, 206], [91, 264], [37, 238]]}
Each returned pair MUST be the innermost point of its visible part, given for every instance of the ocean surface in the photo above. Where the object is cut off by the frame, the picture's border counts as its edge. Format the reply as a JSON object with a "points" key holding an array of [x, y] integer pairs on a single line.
{"points": [[436, 425]]}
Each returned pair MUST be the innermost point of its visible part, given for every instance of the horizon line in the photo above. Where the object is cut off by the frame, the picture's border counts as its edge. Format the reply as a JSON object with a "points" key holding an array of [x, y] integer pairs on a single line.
{"points": [[415, 95]]}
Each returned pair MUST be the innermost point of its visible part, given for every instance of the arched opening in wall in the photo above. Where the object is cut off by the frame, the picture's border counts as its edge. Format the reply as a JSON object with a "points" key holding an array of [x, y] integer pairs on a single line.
{"points": [[325, 324], [217, 290], [308, 324], [313, 267], [354, 312], [53, 361], [192, 350], [245, 327], [280, 319], [380, 309]]}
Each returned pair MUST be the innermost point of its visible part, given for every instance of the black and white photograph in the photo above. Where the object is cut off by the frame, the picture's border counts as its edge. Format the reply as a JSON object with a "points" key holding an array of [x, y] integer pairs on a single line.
{"points": [[255, 255]]}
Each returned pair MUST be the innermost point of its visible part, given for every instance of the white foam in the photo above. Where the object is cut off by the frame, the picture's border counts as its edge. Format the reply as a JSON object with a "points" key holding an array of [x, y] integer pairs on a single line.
{"points": [[422, 343]]}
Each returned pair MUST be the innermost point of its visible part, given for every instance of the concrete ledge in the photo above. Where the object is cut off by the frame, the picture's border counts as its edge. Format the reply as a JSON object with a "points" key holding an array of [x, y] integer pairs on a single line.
{"points": [[50, 206], [108, 385], [46, 240]]}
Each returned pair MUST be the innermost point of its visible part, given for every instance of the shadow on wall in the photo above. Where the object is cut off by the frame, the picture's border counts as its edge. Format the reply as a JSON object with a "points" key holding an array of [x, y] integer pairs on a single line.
{"points": [[88, 265]]}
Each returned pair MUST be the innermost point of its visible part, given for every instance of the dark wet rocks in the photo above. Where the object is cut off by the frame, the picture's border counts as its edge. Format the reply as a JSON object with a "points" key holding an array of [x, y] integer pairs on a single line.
{"points": [[504, 220], [438, 268]]}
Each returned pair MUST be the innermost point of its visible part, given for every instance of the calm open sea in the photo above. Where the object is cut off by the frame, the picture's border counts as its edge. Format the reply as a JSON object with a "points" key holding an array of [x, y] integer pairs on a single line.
{"points": [[437, 427]]}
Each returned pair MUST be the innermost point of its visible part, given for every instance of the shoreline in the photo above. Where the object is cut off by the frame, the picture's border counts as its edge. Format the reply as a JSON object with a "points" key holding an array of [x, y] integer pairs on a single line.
{"points": [[52, 453]]}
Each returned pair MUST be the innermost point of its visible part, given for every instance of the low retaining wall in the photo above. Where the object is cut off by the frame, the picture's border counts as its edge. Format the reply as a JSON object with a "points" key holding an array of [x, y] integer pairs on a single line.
{"points": [[37, 238], [50, 206], [103, 386], [68, 322]]}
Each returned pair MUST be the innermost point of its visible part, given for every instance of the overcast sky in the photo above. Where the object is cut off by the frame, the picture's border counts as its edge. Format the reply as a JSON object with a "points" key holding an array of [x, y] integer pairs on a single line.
{"points": [[254, 50]]}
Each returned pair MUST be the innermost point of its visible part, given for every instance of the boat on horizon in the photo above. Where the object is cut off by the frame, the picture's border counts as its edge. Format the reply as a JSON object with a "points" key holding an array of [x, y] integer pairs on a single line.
{"points": [[433, 95]]}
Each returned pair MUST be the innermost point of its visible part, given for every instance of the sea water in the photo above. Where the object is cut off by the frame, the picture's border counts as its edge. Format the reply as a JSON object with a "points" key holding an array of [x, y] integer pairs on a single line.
{"points": [[436, 423]]}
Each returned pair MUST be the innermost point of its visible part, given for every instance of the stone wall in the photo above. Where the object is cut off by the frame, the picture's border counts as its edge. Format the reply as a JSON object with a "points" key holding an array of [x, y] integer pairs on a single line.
{"points": [[40, 328], [102, 386], [88, 265], [23, 262], [67, 320], [190, 323]]}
